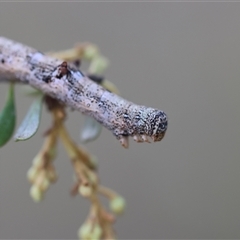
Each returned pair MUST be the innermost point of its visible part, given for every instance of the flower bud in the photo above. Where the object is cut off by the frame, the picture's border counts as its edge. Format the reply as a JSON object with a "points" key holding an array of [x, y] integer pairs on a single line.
{"points": [[36, 193], [90, 52], [45, 184], [85, 191], [96, 232], [117, 205], [32, 173], [84, 231], [37, 161], [98, 65]]}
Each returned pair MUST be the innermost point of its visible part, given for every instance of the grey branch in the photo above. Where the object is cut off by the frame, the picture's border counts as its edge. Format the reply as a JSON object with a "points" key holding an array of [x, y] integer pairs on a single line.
{"points": [[67, 84]]}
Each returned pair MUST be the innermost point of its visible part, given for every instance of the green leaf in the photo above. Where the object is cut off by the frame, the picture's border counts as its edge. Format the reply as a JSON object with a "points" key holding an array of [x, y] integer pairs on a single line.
{"points": [[30, 123], [8, 117], [91, 130]]}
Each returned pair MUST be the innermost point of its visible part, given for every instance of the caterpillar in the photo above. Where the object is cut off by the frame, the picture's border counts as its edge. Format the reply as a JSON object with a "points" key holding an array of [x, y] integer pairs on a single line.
{"points": [[66, 83]]}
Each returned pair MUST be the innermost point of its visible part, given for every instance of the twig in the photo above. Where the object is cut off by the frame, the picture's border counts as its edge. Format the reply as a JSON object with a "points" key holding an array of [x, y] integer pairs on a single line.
{"points": [[67, 84]]}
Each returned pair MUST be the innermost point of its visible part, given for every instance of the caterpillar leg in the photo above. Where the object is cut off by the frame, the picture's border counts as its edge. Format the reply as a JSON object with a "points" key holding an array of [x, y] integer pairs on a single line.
{"points": [[124, 141]]}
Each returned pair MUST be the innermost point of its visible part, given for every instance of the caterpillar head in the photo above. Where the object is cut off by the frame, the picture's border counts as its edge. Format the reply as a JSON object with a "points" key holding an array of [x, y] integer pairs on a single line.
{"points": [[157, 125], [146, 123]]}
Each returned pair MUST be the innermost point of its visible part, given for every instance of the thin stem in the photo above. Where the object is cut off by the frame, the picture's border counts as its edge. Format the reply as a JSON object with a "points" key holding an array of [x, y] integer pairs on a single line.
{"points": [[73, 151]]}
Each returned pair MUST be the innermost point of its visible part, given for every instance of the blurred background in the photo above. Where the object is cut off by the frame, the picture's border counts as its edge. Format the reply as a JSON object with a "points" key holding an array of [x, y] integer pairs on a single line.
{"points": [[182, 58]]}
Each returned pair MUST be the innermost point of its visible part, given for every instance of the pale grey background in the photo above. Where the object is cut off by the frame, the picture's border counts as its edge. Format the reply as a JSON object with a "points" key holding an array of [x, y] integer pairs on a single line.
{"points": [[183, 58]]}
